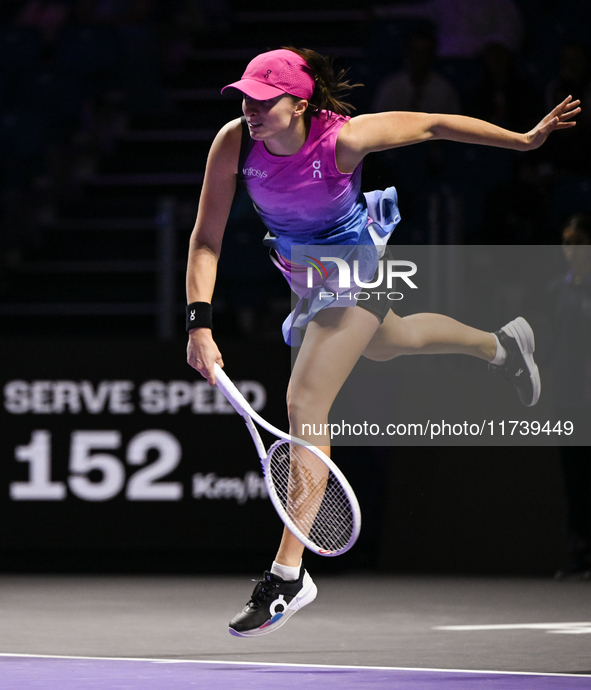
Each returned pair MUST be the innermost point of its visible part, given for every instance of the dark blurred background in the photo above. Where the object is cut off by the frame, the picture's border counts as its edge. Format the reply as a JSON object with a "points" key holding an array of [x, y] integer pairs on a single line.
{"points": [[107, 111]]}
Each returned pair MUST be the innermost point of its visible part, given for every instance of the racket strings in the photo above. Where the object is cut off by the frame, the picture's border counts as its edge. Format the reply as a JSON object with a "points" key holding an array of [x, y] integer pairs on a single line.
{"points": [[312, 496]]}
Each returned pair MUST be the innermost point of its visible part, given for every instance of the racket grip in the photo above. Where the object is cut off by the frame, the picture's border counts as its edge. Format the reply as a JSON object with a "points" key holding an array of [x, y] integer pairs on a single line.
{"points": [[233, 395]]}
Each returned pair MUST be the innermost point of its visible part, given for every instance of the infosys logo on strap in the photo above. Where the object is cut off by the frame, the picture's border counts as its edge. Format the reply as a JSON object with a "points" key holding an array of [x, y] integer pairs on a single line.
{"points": [[253, 172]]}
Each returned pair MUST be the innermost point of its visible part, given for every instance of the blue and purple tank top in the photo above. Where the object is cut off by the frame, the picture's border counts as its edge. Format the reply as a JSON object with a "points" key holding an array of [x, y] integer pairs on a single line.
{"points": [[304, 198]]}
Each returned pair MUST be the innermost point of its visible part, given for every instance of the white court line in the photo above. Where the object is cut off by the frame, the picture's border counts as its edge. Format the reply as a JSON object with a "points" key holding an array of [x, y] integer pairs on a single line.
{"points": [[292, 665], [558, 628]]}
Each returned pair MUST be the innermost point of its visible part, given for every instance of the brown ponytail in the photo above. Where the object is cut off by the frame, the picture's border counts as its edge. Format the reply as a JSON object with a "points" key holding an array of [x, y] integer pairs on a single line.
{"points": [[330, 85]]}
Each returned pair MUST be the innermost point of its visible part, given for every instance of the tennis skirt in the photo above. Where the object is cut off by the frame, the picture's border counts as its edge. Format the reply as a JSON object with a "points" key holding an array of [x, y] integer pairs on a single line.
{"points": [[324, 291]]}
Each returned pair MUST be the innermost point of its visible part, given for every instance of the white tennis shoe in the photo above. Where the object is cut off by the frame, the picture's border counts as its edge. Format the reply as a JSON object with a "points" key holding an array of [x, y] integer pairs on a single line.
{"points": [[517, 337]]}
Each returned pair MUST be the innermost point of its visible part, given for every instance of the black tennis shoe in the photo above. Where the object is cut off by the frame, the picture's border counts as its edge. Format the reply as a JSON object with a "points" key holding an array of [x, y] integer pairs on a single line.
{"points": [[519, 368], [272, 603]]}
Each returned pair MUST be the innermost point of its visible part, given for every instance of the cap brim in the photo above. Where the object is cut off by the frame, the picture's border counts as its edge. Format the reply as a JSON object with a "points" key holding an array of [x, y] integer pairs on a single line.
{"points": [[255, 89]]}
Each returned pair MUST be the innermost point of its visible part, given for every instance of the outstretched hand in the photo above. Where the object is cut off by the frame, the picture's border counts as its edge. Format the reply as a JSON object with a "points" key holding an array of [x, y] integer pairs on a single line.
{"points": [[559, 118]]}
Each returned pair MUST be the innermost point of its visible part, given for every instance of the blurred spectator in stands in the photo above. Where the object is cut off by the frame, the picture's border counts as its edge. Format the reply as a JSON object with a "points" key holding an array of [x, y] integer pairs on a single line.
{"points": [[193, 25], [47, 16], [217, 15], [9, 9], [574, 78], [135, 23], [504, 96], [417, 87], [418, 173], [571, 359], [115, 12], [465, 27]]}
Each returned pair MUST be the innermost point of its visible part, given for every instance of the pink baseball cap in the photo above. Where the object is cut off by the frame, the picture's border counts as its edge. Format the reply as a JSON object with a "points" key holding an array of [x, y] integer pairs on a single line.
{"points": [[274, 73]]}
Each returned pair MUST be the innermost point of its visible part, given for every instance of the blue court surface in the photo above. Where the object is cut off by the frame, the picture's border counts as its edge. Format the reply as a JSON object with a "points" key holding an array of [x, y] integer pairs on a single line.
{"points": [[62, 673], [363, 631]]}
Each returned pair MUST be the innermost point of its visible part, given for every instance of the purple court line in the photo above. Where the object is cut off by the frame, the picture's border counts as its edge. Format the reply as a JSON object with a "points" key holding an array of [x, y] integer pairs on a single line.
{"points": [[25, 672]]}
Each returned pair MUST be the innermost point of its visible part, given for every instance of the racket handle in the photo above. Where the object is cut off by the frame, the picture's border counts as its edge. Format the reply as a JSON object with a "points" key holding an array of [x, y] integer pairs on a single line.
{"points": [[233, 395], [244, 409]]}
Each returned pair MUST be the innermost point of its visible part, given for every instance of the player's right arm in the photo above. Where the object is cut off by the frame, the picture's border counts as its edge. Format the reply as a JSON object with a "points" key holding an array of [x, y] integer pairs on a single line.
{"points": [[219, 186]]}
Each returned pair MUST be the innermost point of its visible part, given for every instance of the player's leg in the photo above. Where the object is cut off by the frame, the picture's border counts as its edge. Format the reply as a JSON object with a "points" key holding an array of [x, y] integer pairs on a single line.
{"points": [[334, 341], [428, 334], [509, 350], [332, 345]]}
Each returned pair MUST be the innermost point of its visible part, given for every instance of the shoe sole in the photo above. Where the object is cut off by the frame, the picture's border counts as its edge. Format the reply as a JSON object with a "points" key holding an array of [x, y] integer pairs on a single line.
{"points": [[305, 597], [520, 329]]}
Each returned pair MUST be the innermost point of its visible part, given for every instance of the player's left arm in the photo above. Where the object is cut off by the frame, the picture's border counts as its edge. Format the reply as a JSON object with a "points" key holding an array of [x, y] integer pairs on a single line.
{"points": [[381, 131]]}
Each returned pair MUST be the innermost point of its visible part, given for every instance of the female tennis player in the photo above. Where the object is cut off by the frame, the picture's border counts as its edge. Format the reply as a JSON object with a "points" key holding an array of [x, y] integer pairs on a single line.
{"points": [[303, 174]]}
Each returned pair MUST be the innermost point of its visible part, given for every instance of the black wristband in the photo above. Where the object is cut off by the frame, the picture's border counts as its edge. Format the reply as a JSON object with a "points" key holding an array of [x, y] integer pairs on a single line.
{"points": [[198, 315]]}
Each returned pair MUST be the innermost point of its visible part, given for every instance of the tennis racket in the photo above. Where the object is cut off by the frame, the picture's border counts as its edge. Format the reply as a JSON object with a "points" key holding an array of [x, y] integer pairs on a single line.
{"points": [[310, 493]]}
